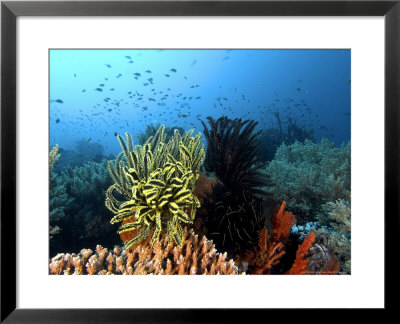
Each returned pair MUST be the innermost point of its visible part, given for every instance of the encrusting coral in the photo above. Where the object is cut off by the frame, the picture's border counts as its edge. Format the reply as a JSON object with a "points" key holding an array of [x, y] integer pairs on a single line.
{"points": [[195, 256], [156, 182]]}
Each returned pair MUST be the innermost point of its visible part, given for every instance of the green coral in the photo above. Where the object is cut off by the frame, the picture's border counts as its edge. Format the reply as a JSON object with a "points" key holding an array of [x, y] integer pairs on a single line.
{"points": [[86, 219], [157, 181], [307, 175], [58, 199]]}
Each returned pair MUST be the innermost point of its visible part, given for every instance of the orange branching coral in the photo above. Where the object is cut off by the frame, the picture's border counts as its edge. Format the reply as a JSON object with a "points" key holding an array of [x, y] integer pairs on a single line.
{"points": [[268, 254], [271, 246], [300, 264], [282, 222], [196, 256]]}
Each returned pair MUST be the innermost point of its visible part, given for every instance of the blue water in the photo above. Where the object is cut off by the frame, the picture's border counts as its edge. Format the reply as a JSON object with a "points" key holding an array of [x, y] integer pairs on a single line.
{"points": [[310, 86]]}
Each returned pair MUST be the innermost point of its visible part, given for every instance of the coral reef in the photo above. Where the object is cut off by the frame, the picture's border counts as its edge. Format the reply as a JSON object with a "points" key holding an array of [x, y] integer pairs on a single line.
{"points": [[84, 150], [58, 197], [307, 175], [151, 130], [322, 259], [301, 263], [234, 210], [278, 253], [338, 234], [86, 219], [196, 256], [271, 138], [271, 244], [157, 181]]}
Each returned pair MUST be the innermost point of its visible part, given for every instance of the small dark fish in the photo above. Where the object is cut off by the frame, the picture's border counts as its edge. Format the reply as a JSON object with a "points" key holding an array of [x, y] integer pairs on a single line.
{"points": [[173, 70], [185, 77], [167, 75], [74, 75], [115, 134], [150, 80], [106, 79], [148, 71], [101, 85], [99, 89], [84, 90], [198, 97], [119, 75], [109, 109], [298, 89], [57, 120], [137, 74], [108, 65], [130, 62], [59, 101], [112, 89], [193, 63], [128, 57]]}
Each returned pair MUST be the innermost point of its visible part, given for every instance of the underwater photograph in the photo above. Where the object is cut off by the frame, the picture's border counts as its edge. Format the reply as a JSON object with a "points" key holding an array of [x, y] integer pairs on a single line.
{"points": [[199, 161]]}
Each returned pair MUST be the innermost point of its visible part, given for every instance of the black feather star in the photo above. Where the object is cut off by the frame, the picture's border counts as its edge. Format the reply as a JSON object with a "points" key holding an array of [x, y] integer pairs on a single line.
{"points": [[235, 208]]}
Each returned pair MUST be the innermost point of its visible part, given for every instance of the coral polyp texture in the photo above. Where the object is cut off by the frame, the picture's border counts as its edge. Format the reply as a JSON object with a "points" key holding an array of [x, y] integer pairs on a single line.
{"points": [[195, 256], [156, 181]]}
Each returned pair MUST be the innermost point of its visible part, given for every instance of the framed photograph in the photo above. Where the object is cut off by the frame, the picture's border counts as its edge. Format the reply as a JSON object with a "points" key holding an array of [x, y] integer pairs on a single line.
{"points": [[215, 149]]}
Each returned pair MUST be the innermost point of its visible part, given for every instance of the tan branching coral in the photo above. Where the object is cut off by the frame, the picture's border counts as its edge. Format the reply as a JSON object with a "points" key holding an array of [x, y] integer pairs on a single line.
{"points": [[53, 157], [196, 256]]}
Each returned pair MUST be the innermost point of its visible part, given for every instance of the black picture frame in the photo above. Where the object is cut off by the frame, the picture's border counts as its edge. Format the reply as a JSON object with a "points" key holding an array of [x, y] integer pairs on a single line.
{"points": [[10, 10]]}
